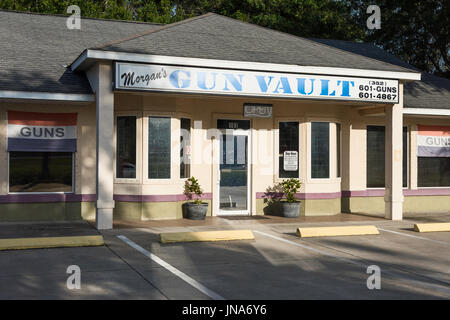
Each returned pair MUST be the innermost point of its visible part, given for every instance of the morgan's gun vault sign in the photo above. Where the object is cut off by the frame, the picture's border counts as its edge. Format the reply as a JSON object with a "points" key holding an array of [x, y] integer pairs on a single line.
{"points": [[251, 83], [433, 141]]}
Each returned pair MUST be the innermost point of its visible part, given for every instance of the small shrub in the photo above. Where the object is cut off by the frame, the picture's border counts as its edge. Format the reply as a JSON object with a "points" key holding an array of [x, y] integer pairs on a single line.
{"points": [[290, 187], [192, 190]]}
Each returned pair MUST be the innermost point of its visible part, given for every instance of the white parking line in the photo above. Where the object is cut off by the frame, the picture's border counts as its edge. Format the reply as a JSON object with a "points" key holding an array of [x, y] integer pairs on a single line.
{"points": [[304, 246], [411, 236], [213, 295], [394, 274]]}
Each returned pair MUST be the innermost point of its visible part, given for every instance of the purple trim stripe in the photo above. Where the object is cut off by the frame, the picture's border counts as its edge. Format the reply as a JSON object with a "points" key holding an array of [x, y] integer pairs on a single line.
{"points": [[301, 196], [42, 145], [427, 192], [363, 193], [156, 198], [54, 197], [70, 197], [406, 193]]}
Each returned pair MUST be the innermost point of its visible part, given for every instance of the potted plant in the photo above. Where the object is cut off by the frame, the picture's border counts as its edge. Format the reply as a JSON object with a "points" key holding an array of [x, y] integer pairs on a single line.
{"points": [[290, 207], [196, 209]]}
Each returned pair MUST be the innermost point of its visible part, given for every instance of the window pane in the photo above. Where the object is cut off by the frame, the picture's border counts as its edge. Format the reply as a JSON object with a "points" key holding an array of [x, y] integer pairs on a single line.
{"points": [[320, 150], [158, 148], [338, 149], [288, 141], [405, 157], [126, 147], [433, 172], [185, 145], [376, 156], [40, 172]]}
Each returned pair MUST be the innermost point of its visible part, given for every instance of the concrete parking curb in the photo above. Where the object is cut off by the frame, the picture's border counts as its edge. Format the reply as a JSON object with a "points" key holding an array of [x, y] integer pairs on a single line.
{"points": [[50, 242], [336, 231], [219, 235], [432, 227]]}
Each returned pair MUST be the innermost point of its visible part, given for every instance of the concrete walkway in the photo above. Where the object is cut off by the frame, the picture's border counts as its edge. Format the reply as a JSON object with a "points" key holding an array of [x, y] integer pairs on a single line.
{"points": [[46, 229]]}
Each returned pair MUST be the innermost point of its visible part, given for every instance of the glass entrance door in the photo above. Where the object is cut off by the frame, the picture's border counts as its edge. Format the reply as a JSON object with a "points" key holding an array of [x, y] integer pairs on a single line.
{"points": [[233, 172]]}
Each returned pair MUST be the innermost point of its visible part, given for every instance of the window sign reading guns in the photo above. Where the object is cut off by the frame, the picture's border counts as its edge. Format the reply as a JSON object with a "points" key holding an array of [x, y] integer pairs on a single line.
{"points": [[42, 132], [151, 77]]}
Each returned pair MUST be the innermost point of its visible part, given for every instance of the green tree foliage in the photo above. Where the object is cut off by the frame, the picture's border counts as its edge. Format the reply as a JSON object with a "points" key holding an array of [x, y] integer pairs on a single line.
{"points": [[138, 10], [416, 31], [307, 18]]}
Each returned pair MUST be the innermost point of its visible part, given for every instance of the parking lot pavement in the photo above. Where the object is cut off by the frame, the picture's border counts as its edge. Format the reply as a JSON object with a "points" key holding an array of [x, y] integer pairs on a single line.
{"points": [[41, 274], [276, 265], [325, 268]]}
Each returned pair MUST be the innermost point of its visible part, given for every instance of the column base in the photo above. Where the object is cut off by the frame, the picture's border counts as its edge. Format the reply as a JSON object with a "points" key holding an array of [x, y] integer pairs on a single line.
{"points": [[104, 218], [393, 210]]}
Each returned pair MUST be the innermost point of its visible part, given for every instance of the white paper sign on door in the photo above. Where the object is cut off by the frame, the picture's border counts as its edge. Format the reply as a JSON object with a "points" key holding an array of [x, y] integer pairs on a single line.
{"points": [[290, 161]]}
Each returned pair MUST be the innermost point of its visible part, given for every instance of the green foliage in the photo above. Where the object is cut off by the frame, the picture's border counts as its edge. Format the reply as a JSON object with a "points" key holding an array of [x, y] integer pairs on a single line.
{"points": [[416, 31], [290, 188], [137, 10], [308, 18], [191, 188]]}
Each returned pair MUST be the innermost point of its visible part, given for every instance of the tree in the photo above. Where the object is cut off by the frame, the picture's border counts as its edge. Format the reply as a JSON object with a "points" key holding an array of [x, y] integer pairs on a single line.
{"points": [[307, 18], [416, 31]]}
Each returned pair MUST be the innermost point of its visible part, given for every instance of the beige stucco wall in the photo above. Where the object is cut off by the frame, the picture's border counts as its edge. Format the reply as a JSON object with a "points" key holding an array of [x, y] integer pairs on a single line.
{"points": [[84, 171], [264, 140], [264, 145], [85, 155]]}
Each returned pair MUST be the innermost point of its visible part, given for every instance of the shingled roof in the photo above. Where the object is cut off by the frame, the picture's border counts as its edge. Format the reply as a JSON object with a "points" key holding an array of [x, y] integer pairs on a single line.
{"points": [[212, 36], [430, 92], [35, 49]]}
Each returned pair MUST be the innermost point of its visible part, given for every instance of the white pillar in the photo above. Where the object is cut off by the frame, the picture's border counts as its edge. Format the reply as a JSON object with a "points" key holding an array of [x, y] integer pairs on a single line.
{"points": [[100, 78], [394, 171]]}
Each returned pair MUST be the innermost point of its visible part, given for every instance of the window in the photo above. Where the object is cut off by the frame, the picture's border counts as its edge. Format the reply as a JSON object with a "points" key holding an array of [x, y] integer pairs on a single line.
{"points": [[126, 147], [320, 150], [40, 171], [338, 150], [433, 172], [159, 148], [185, 146], [288, 141], [376, 157]]}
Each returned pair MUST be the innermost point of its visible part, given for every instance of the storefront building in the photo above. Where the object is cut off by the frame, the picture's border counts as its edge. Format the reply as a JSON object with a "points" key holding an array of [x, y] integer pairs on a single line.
{"points": [[109, 121]]}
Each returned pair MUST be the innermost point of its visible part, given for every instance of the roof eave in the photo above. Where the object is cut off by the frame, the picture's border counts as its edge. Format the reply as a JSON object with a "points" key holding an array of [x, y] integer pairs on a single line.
{"points": [[89, 56], [48, 96], [425, 112]]}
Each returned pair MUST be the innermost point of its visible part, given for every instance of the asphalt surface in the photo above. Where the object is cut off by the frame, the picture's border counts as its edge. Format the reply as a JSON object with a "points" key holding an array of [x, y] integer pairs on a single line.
{"points": [[276, 265]]}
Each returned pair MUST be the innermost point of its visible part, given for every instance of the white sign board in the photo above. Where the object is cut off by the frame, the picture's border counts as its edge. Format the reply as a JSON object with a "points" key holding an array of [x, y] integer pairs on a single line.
{"points": [[290, 161], [163, 78]]}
